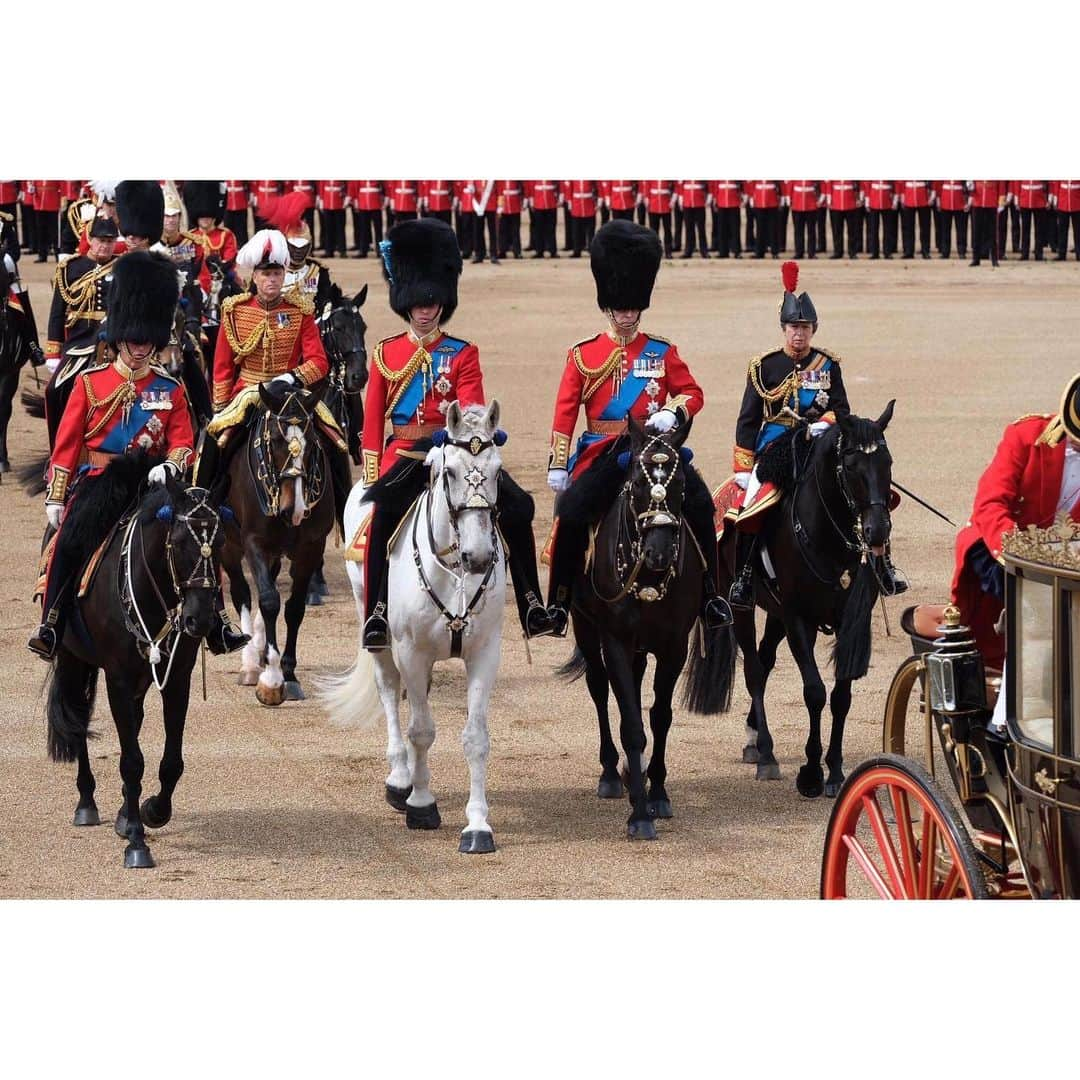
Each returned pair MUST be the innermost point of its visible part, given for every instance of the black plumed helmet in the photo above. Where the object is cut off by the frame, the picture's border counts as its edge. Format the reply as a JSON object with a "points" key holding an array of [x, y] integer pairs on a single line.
{"points": [[204, 198], [142, 299], [140, 208], [625, 258], [795, 308], [422, 265]]}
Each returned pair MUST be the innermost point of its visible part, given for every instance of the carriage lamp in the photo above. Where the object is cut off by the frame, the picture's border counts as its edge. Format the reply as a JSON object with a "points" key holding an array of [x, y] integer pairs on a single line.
{"points": [[955, 669]]}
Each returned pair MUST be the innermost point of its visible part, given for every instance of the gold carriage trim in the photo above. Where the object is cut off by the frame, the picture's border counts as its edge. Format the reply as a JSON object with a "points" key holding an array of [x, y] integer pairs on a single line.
{"points": [[560, 450], [1057, 546], [58, 484], [743, 459], [371, 466]]}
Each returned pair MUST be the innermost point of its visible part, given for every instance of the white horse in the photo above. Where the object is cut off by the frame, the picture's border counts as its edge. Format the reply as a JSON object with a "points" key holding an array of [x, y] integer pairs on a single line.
{"points": [[447, 587]]}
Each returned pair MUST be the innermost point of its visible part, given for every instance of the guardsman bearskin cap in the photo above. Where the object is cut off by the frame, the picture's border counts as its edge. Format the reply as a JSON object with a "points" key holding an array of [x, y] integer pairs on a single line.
{"points": [[142, 299], [1070, 408], [795, 308], [204, 198], [266, 250], [140, 208], [625, 259], [103, 227], [422, 264]]}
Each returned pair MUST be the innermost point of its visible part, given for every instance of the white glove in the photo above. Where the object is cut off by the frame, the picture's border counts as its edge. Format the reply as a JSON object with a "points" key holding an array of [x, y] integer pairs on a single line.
{"points": [[160, 473], [558, 480], [819, 427], [742, 479], [288, 378], [661, 421], [53, 510]]}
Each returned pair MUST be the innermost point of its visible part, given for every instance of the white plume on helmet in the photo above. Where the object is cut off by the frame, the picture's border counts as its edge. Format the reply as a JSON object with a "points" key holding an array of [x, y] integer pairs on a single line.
{"points": [[266, 242], [105, 190]]}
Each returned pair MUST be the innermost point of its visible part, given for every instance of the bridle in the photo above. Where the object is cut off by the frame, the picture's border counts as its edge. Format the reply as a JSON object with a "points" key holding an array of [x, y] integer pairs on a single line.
{"points": [[475, 501], [276, 424], [202, 519], [336, 354], [630, 549]]}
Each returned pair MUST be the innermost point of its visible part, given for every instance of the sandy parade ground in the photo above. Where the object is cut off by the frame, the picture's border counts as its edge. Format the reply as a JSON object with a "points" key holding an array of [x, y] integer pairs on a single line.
{"points": [[278, 803]]}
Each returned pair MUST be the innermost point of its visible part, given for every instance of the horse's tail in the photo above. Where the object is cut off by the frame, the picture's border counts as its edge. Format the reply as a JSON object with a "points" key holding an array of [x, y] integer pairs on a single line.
{"points": [[31, 476], [351, 698], [710, 678], [72, 689], [851, 653], [33, 401], [574, 668]]}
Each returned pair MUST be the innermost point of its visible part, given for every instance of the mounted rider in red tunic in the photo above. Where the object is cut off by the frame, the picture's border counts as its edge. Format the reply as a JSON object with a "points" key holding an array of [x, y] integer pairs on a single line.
{"points": [[621, 372]]}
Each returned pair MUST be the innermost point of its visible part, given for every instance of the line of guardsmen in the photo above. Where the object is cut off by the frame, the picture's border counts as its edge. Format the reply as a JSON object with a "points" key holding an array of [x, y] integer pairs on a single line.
{"points": [[878, 218]]}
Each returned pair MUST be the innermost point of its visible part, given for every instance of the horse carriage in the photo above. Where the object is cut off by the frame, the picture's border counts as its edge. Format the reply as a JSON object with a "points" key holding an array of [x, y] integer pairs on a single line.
{"points": [[976, 797]]}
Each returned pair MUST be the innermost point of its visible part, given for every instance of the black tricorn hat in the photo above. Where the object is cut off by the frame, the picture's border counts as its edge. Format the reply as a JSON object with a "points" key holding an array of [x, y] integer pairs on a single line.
{"points": [[140, 208], [204, 198], [795, 308], [422, 264], [625, 258], [1070, 408], [142, 299], [103, 227]]}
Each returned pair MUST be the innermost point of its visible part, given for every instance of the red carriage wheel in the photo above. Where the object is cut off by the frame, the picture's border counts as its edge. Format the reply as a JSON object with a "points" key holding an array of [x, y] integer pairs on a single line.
{"points": [[892, 835]]}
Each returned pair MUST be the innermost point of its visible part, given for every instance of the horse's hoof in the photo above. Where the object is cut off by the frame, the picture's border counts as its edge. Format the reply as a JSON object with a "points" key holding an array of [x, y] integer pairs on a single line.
{"points": [[768, 771], [294, 691], [321, 588], [476, 842], [641, 830], [121, 825], [153, 817], [660, 808], [314, 598], [87, 815], [138, 858], [269, 695], [422, 817], [397, 797], [610, 789], [832, 788], [811, 781], [750, 755], [248, 678]]}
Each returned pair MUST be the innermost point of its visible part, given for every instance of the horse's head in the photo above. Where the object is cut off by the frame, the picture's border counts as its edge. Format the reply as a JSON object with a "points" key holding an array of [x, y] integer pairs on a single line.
{"points": [[343, 330], [192, 549], [172, 356], [864, 469], [289, 447], [655, 486], [467, 472]]}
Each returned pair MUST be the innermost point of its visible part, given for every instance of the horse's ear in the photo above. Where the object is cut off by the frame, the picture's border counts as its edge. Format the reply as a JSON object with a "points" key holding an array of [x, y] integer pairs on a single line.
{"points": [[172, 487], [269, 403], [453, 419], [681, 433], [360, 297], [492, 418], [886, 416]]}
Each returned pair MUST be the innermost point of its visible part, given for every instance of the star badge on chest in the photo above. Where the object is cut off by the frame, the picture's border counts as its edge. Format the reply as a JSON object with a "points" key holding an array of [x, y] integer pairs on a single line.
{"points": [[443, 386]]}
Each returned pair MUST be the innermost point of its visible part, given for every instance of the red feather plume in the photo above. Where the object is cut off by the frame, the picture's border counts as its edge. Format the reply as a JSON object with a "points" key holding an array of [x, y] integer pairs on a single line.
{"points": [[285, 213], [790, 273]]}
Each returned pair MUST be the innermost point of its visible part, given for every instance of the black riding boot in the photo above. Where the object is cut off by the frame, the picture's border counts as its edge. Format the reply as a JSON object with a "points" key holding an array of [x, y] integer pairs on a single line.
{"points": [[224, 637], [567, 562], [207, 461], [376, 626], [37, 357], [341, 481], [741, 595], [516, 510], [715, 612], [54, 605], [893, 582]]}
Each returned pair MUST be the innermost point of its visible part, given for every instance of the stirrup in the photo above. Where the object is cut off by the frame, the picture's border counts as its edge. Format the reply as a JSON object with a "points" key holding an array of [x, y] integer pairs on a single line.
{"points": [[43, 643], [560, 620], [377, 630], [538, 621], [225, 638], [741, 593], [716, 613]]}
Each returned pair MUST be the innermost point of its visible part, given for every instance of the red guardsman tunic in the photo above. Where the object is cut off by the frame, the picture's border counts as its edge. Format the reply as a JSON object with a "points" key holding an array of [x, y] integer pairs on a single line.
{"points": [[1021, 486], [112, 410], [219, 243], [412, 385], [257, 343], [595, 372]]}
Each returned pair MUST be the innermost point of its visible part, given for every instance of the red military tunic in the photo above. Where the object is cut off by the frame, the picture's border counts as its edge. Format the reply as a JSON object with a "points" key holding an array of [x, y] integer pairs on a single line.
{"points": [[236, 195], [219, 243], [366, 194], [257, 343], [47, 196], [693, 193], [71, 190], [438, 195], [580, 196], [9, 192], [953, 195], [331, 194], [727, 194], [309, 187], [113, 409], [804, 195], [404, 196], [914, 193], [542, 194], [508, 195], [989, 194], [395, 363], [1020, 487], [1030, 194], [594, 372], [658, 195], [463, 192], [764, 194], [880, 194], [843, 195], [620, 194], [263, 191], [1067, 194]]}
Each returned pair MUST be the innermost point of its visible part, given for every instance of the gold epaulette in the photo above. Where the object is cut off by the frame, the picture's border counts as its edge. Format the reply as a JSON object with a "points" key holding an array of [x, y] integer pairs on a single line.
{"points": [[98, 367], [584, 341], [657, 337], [157, 369], [825, 352], [1054, 431], [59, 271], [315, 262], [304, 304], [231, 301]]}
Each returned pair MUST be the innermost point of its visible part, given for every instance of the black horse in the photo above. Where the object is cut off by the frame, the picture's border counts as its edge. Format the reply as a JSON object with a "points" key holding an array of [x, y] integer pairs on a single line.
{"points": [[16, 341], [150, 599], [281, 494], [223, 284], [641, 594], [825, 542], [343, 330]]}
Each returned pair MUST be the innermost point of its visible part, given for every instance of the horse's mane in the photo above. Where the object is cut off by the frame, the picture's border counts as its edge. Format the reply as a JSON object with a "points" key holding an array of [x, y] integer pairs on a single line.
{"points": [[155, 498], [335, 295], [861, 430]]}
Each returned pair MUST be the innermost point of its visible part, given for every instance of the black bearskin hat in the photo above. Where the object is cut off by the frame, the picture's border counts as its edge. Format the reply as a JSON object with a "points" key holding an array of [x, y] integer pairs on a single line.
{"points": [[1070, 408], [625, 258], [795, 308], [140, 208], [204, 198], [422, 264], [142, 299], [103, 228]]}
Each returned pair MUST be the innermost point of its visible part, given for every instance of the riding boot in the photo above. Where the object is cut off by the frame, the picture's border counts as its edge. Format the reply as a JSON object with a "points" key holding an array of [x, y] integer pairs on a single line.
{"points": [[376, 634], [54, 604], [207, 461], [893, 582], [567, 562], [715, 612], [741, 595], [341, 481], [516, 509], [37, 357], [224, 637]]}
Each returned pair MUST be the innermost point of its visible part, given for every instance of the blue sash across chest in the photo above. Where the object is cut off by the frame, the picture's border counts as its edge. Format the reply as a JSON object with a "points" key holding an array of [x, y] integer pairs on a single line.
{"points": [[442, 363], [648, 365], [124, 432]]}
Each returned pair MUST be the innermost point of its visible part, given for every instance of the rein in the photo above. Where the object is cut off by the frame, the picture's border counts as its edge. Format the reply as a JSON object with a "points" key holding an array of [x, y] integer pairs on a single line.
{"points": [[267, 474]]}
